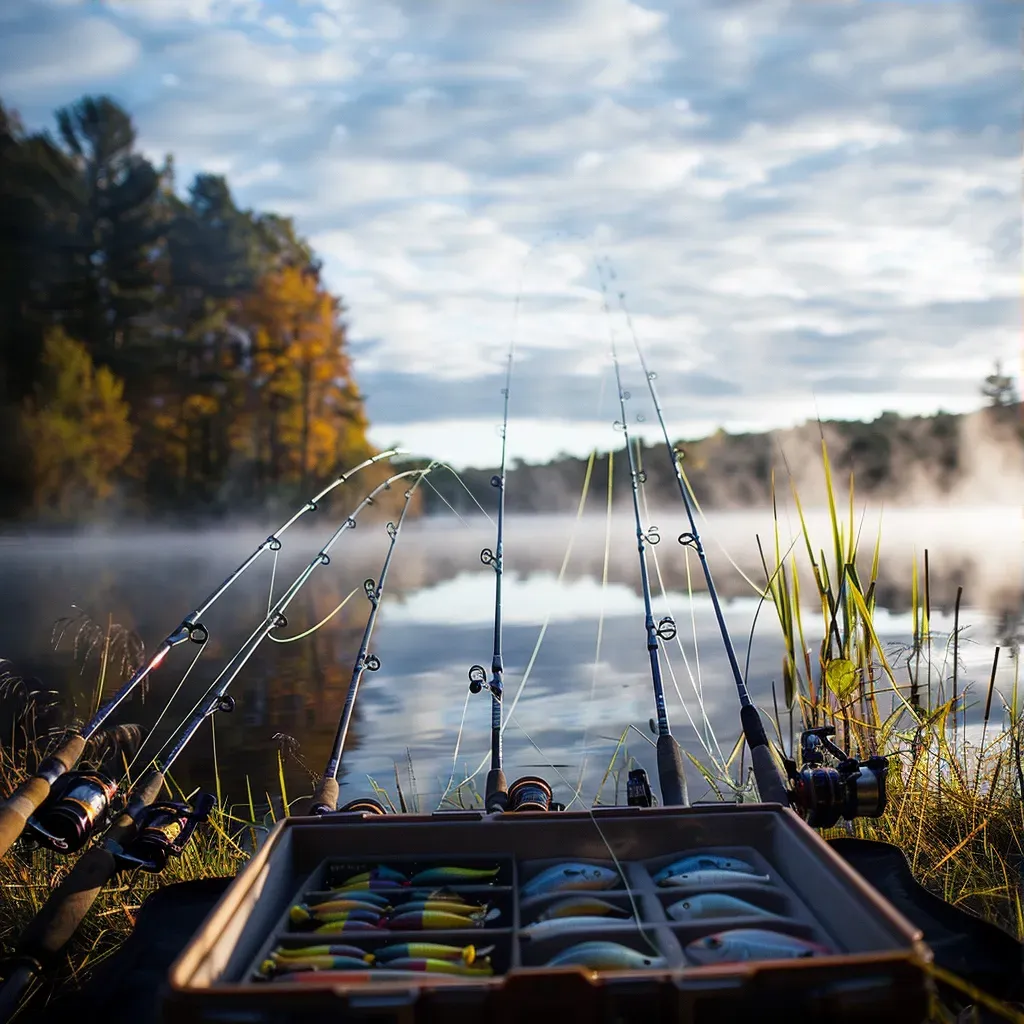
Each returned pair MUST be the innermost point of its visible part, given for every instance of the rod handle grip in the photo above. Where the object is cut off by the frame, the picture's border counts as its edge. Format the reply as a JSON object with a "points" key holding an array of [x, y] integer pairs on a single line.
{"points": [[326, 793], [29, 796], [59, 917], [671, 774], [770, 785], [496, 792]]}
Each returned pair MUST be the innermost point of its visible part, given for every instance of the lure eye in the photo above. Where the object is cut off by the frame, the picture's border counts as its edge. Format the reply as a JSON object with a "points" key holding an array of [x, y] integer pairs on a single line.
{"points": [[712, 943], [686, 906]]}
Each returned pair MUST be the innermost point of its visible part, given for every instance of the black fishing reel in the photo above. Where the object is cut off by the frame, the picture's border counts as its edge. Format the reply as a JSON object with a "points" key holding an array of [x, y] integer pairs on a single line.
{"points": [[825, 794], [78, 804], [163, 831]]}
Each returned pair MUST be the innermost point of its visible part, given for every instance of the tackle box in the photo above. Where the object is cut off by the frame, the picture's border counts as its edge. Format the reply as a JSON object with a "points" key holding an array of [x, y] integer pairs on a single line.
{"points": [[870, 961]]}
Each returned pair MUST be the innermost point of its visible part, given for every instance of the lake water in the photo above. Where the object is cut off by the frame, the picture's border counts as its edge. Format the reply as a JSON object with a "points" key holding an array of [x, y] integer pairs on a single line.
{"points": [[436, 620]]}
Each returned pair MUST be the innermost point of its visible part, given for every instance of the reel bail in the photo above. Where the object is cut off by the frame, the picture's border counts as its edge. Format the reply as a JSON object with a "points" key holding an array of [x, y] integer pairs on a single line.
{"points": [[825, 794], [163, 831], [79, 802]]}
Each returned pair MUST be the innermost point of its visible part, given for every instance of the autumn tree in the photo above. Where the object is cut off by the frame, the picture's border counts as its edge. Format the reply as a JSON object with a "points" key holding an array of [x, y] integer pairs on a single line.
{"points": [[76, 428], [306, 414]]}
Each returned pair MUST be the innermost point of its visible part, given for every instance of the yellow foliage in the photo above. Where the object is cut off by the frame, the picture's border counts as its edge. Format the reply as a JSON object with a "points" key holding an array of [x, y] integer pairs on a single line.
{"points": [[76, 426]]}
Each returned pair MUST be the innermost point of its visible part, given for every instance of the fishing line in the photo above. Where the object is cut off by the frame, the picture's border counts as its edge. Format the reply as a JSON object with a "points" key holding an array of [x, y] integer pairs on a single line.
{"points": [[600, 633], [604, 839], [313, 629], [547, 618], [273, 577], [697, 686], [160, 717]]}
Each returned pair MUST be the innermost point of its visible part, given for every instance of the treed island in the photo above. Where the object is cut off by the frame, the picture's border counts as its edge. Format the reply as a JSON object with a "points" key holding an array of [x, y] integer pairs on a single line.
{"points": [[165, 353]]}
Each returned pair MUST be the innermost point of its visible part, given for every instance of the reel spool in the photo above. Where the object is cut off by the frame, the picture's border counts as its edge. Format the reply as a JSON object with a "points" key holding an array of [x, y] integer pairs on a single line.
{"points": [[163, 831], [79, 802], [530, 793], [825, 794]]}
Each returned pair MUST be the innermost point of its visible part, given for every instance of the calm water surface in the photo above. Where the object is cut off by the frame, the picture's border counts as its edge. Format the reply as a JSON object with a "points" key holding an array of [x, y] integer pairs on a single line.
{"points": [[436, 620]]}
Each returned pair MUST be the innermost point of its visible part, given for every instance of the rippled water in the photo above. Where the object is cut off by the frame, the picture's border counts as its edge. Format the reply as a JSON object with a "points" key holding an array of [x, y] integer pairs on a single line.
{"points": [[436, 620]]}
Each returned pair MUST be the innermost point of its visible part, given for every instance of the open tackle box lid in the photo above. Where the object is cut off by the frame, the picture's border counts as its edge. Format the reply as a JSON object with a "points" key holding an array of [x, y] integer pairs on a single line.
{"points": [[873, 967]]}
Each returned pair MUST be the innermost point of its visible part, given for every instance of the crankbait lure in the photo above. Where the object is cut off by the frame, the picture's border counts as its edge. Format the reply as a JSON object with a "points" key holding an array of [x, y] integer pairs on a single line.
{"points": [[582, 906], [605, 956], [447, 906], [431, 951], [301, 952], [714, 904], [332, 908], [455, 876], [300, 914], [377, 874], [340, 925], [364, 896], [556, 926], [568, 877], [704, 862], [710, 879], [481, 970], [751, 944], [317, 963], [422, 920]]}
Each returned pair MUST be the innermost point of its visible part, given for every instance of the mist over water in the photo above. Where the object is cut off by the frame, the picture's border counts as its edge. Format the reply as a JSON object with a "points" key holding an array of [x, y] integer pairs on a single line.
{"points": [[436, 620]]}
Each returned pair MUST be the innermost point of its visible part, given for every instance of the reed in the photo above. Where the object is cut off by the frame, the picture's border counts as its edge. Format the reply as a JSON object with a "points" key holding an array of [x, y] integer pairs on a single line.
{"points": [[954, 807]]}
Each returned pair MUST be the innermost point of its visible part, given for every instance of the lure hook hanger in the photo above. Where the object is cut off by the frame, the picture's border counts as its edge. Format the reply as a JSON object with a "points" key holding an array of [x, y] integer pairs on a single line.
{"points": [[31, 794]]}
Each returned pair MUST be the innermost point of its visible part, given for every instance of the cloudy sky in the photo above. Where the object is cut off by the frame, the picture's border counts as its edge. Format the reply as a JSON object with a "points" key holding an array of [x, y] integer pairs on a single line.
{"points": [[810, 207]]}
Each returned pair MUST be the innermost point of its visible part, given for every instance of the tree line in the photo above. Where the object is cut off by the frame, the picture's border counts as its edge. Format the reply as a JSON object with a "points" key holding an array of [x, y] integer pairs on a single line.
{"points": [[159, 353]]}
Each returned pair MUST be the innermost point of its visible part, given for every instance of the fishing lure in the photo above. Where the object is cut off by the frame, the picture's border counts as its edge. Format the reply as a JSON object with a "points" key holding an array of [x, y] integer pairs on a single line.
{"points": [[339, 925], [556, 926], [331, 908], [704, 862], [605, 956], [377, 874], [455, 876], [300, 914], [353, 977], [447, 906], [301, 952], [582, 906], [364, 896], [714, 904], [370, 885], [432, 951], [421, 920], [751, 944], [569, 877], [481, 970], [318, 963], [709, 879]]}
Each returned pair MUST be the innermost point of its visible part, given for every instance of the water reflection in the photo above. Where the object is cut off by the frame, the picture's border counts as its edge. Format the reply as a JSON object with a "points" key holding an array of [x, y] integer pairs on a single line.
{"points": [[436, 620]]}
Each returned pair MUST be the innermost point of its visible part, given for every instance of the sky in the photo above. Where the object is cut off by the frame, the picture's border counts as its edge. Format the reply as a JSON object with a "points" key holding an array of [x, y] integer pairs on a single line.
{"points": [[809, 208]]}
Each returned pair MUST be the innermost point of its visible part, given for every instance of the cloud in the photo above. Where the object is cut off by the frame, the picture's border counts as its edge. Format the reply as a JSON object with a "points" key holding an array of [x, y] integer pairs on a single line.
{"points": [[791, 196], [67, 55]]}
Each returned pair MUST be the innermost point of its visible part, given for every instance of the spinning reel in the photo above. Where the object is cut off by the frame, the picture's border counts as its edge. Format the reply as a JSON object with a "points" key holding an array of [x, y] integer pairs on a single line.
{"points": [[163, 831], [824, 794], [78, 804]]}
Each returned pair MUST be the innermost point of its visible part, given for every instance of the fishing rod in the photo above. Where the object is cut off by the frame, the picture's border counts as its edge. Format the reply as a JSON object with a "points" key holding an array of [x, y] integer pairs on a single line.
{"points": [[496, 790], [325, 796], [822, 793], [146, 834], [671, 776], [27, 805]]}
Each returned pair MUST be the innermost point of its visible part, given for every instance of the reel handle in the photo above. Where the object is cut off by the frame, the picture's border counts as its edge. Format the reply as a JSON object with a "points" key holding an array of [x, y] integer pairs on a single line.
{"points": [[29, 796]]}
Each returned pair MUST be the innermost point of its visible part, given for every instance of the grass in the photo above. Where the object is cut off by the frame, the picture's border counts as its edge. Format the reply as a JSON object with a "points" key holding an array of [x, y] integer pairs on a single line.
{"points": [[954, 807]]}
